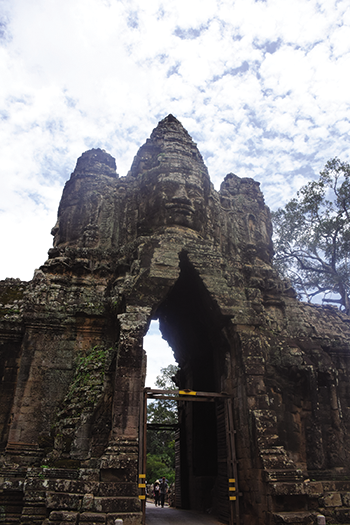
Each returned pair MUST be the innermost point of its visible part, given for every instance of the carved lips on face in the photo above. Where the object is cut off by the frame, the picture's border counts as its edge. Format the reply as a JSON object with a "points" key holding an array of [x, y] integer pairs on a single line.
{"points": [[180, 203]]}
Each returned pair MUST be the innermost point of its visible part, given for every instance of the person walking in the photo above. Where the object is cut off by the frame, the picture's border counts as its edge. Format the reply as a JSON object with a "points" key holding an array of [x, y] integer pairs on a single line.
{"points": [[156, 493], [163, 489]]}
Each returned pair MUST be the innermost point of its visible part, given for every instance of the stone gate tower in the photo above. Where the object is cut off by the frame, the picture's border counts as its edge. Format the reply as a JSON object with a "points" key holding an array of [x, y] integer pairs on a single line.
{"points": [[161, 243]]}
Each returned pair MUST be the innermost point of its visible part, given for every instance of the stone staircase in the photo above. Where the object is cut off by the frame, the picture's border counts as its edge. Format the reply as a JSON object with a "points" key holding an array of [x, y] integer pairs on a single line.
{"points": [[58, 496], [295, 500], [295, 518], [11, 494]]}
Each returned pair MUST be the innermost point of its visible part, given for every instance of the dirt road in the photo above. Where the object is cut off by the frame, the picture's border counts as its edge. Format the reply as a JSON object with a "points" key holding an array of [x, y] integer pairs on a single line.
{"points": [[170, 516]]}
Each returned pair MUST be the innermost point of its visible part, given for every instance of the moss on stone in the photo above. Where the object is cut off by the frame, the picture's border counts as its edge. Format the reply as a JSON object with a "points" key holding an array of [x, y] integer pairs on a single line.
{"points": [[81, 399], [64, 463], [9, 294], [89, 373]]}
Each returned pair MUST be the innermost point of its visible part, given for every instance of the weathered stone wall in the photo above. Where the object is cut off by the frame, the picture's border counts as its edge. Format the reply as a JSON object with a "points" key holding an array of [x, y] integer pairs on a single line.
{"points": [[162, 243], [11, 306]]}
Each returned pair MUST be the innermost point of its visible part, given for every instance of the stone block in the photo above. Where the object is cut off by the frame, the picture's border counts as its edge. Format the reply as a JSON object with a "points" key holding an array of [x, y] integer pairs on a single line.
{"points": [[346, 499], [293, 518], [119, 504], [38, 510], [116, 489], [125, 359], [88, 502], [288, 475], [267, 439], [254, 365], [63, 516], [89, 474], [61, 473], [34, 497], [314, 488], [276, 459], [342, 515], [118, 468], [59, 500], [263, 402], [330, 486], [92, 518], [74, 486], [286, 489], [332, 499], [64, 522], [255, 385], [26, 520], [39, 484]]}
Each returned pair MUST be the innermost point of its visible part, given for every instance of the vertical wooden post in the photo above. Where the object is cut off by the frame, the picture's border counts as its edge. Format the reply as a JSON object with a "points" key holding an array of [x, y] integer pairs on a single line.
{"points": [[143, 454], [231, 464]]}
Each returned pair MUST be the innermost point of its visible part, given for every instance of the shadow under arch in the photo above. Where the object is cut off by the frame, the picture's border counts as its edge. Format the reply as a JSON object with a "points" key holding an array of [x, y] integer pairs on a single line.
{"points": [[192, 324]]}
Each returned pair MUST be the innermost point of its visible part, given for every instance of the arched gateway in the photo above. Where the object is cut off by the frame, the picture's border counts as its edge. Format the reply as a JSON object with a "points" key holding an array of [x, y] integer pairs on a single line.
{"points": [[161, 243]]}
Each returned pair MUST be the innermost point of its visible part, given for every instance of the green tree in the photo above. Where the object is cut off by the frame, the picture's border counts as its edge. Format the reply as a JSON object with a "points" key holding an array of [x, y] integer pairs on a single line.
{"points": [[165, 410], [157, 467], [161, 443], [312, 237]]}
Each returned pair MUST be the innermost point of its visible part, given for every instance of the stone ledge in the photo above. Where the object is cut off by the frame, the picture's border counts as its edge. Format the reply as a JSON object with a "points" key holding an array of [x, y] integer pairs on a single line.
{"points": [[288, 488], [294, 518], [63, 516], [59, 500], [115, 505], [92, 518], [56, 473], [283, 475], [77, 486]]}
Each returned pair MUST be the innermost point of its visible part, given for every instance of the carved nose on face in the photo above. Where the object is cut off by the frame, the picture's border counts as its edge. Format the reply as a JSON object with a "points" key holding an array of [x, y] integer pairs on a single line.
{"points": [[181, 200], [181, 197]]}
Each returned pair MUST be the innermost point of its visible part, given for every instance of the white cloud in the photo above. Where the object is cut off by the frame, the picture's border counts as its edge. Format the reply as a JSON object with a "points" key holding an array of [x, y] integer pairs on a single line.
{"points": [[261, 86], [159, 354]]}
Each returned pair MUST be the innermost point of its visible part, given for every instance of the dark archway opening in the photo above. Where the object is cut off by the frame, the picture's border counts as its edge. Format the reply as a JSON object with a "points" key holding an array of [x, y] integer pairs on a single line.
{"points": [[192, 324]]}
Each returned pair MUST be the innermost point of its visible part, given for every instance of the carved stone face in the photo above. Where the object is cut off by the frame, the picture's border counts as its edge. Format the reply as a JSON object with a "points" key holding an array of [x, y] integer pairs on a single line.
{"points": [[173, 198]]}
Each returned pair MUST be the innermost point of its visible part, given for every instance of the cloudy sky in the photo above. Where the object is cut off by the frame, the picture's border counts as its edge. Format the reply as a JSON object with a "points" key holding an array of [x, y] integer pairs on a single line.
{"points": [[159, 354], [261, 86]]}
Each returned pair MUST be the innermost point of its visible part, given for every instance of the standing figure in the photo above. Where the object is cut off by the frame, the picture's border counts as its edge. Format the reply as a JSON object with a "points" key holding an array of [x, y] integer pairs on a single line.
{"points": [[163, 490], [156, 493]]}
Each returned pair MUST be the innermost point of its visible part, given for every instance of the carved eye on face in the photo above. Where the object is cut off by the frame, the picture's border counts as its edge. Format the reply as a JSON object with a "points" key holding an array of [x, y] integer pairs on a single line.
{"points": [[194, 192]]}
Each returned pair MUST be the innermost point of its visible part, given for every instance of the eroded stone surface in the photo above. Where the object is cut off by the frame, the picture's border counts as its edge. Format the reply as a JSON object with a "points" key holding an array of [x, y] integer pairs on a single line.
{"points": [[163, 243]]}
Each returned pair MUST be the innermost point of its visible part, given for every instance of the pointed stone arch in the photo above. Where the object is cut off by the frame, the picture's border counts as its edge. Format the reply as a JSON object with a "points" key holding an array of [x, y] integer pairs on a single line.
{"points": [[193, 325]]}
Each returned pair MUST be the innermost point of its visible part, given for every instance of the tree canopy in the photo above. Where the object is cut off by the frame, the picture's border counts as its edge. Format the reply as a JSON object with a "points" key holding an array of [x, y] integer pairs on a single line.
{"points": [[312, 237]]}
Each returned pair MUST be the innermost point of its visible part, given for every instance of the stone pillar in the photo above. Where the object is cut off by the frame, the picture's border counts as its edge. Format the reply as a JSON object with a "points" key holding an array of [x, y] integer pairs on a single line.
{"points": [[121, 456], [45, 371]]}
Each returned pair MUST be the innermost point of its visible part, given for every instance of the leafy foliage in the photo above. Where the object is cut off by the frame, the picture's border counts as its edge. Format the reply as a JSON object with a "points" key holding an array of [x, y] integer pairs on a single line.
{"points": [[158, 466], [161, 443], [312, 237]]}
